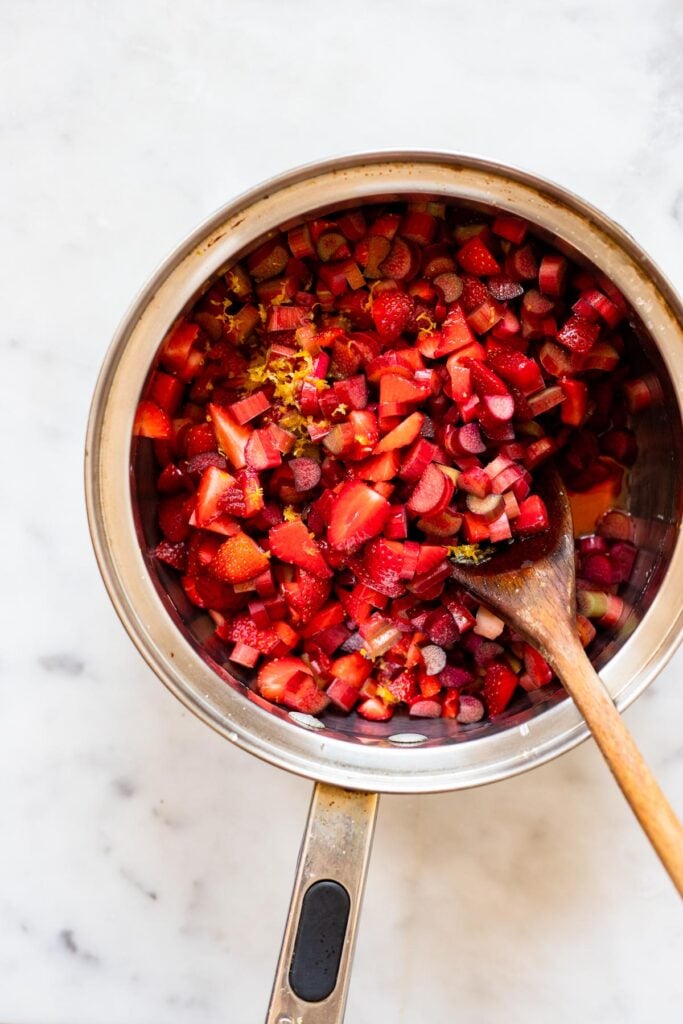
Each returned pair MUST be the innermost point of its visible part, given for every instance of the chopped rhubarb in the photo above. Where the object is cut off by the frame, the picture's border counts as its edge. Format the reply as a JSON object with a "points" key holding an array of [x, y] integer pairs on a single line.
{"points": [[365, 398]]}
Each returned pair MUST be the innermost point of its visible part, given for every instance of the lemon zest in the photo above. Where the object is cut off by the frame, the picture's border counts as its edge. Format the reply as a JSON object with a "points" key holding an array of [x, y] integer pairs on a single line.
{"points": [[473, 553]]}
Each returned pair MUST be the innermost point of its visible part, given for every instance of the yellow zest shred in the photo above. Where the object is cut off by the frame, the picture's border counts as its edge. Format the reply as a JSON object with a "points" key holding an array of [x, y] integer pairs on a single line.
{"points": [[387, 696], [473, 553], [429, 323], [290, 514], [341, 410]]}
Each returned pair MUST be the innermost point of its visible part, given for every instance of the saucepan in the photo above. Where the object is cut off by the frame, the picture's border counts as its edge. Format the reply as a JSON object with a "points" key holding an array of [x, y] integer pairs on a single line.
{"points": [[352, 760]]}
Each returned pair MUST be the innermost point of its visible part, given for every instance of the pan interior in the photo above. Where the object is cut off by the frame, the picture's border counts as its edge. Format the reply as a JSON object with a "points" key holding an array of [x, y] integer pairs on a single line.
{"points": [[652, 497]]}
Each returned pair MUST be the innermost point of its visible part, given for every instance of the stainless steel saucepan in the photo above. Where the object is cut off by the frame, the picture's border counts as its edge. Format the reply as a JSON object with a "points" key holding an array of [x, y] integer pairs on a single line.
{"points": [[351, 760]]}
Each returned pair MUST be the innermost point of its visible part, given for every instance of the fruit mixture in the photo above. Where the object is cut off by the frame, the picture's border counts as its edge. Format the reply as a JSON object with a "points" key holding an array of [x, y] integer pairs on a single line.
{"points": [[363, 399]]}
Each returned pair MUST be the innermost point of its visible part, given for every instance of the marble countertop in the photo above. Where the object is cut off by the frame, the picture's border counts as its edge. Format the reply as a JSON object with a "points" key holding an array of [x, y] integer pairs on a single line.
{"points": [[146, 864]]}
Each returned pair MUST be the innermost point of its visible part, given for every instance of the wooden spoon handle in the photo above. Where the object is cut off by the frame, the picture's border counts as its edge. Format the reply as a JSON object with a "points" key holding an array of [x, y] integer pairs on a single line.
{"points": [[627, 764]]}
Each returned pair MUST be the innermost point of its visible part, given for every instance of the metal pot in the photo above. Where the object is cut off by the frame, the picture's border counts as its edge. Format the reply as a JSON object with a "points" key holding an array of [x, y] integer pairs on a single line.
{"points": [[352, 761]]}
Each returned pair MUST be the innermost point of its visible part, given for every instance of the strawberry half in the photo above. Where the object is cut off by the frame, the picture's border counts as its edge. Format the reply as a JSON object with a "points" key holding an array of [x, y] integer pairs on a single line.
{"points": [[391, 311], [239, 559], [152, 421], [357, 514], [500, 682]]}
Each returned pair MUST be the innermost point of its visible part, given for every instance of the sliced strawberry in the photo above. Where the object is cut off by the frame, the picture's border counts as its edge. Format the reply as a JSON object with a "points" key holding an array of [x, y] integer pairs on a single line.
{"points": [[292, 543], [306, 594], [475, 258], [500, 683], [232, 437], [151, 421], [174, 517], [353, 668], [274, 676], [391, 312], [301, 693], [375, 710], [402, 435], [172, 554], [578, 334], [175, 351], [239, 559], [384, 561], [357, 514], [213, 485]]}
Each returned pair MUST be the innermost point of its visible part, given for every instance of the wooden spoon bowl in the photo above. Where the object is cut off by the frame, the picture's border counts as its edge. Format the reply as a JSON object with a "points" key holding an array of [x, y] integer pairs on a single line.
{"points": [[531, 585]]}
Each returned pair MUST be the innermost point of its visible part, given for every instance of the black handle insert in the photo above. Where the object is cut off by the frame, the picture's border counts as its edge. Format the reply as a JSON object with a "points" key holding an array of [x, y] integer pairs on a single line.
{"points": [[319, 941]]}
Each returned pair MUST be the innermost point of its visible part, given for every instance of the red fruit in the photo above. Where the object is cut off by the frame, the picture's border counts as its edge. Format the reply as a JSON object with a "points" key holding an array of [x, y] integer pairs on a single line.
{"points": [[402, 435], [383, 563], [391, 311], [357, 514], [174, 517], [514, 229], [379, 468], [151, 421], [232, 437], [578, 335], [292, 543], [354, 669], [475, 258], [174, 555], [274, 676], [166, 391], [212, 487], [375, 710], [423, 707], [552, 275], [500, 683], [239, 559], [176, 349], [306, 594], [302, 694], [519, 370]]}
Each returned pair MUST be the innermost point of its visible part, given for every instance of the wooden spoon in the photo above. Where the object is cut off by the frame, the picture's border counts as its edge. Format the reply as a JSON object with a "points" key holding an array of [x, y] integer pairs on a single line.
{"points": [[531, 586]]}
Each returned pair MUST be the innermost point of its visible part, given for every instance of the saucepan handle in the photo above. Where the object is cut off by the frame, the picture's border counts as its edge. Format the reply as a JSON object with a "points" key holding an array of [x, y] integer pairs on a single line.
{"points": [[314, 968]]}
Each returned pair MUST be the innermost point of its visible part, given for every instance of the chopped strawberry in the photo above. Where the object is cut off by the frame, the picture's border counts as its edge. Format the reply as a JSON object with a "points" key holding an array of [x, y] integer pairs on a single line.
{"points": [[274, 676], [151, 421], [292, 543], [391, 312], [239, 559], [313, 467], [475, 258], [357, 515], [232, 437], [500, 683]]}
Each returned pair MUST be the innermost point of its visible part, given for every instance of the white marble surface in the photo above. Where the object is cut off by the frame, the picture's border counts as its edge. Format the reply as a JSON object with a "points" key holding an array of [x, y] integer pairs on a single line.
{"points": [[145, 863]]}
